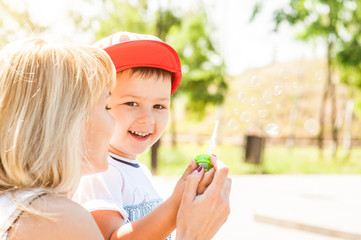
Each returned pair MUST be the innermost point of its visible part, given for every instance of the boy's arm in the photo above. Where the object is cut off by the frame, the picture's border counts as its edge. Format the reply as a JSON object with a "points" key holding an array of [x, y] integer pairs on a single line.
{"points": [[108, 221], [156, 225]]}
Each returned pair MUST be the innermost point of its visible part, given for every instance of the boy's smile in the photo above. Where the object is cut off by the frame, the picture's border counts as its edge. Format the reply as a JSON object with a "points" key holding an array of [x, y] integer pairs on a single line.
{"points": [[139, 136], [140, 106]]}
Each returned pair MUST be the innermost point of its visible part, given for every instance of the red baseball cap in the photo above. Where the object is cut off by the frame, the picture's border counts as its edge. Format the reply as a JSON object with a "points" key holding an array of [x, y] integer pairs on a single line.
{"points": [[129, 50]]}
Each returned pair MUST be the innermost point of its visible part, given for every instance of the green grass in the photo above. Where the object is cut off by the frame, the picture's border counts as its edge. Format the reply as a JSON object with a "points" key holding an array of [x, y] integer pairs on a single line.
{"points": [[277, 160]]}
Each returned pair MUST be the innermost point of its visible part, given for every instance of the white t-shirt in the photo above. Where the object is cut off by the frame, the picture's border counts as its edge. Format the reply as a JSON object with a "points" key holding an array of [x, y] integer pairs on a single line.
{"points": [[125, 187]]}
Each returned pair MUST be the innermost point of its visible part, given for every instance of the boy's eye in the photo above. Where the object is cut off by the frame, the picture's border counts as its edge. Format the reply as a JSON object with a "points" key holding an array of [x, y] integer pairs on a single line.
{"points": [[159, 106], [132, 104], [107, 107]]}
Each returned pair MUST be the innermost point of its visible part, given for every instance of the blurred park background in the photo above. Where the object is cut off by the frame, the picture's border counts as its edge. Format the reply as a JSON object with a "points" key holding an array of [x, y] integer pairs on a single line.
{"points": [[283, 79]]}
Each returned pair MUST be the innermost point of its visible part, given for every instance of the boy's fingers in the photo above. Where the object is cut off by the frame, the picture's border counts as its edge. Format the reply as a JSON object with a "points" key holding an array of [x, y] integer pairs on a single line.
{"points": [[206, 180], [190, 189], [191, 167], [208, 176]]}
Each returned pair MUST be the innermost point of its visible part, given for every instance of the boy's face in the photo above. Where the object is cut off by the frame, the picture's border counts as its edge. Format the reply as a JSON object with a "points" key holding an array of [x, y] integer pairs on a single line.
{"points": [[140, 107]]}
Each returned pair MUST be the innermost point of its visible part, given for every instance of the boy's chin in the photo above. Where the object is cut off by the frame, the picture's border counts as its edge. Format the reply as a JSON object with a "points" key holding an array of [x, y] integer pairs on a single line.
{"points": [[140, 150]]}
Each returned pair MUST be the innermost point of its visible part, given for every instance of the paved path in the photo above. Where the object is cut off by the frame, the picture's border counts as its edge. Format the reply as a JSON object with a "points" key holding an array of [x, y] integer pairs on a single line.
{"points": [[289, 207]]}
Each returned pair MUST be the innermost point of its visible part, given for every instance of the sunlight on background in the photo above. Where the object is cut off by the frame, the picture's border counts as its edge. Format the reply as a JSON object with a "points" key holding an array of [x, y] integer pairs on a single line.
{"points": [[242, 44], [275, 85]]}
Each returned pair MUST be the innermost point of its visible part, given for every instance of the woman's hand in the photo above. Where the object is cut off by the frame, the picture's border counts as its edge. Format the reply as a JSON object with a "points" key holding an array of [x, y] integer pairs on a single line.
{"points": [[201, 216]]}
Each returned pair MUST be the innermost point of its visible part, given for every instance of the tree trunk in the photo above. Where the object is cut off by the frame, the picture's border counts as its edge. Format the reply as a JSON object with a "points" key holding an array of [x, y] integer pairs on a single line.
{"points": [[173, 127], [328, 92], [322, 116], [292, 124], [334, 119], [154, 156], [332, 95], [347, 136]]}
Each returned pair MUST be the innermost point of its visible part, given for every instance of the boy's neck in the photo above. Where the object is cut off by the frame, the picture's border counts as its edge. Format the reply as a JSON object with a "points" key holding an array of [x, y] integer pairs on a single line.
{"points": [[121, 154]]}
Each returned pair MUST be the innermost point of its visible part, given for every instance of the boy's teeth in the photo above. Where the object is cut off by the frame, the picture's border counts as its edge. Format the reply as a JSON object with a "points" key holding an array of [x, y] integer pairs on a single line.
{"points": [[140, 134]]}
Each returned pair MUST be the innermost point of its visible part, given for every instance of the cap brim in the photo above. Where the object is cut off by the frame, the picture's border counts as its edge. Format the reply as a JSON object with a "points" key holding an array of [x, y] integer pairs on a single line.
{"points": [[146, 53]]}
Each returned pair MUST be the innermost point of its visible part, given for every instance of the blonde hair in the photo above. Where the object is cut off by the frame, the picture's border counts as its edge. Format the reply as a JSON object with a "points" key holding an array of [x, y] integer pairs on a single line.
{"points": [[46, 92]]}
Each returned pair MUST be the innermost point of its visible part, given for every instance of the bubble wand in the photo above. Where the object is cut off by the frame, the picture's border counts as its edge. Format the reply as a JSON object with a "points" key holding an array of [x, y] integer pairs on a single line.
{"points": [[204, 160], [212, 141]]}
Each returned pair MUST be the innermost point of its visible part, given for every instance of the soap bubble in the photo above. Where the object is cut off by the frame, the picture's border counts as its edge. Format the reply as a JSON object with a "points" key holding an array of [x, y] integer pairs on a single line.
{"points": [[253, 101], [245, 117], [262, 113], [278, 90], [272, 129], [319, 76], [267, 97], [233, 124], [311, 126], [235, 111], [242, 97], [255, 81], [285, 73], [295, 85]]}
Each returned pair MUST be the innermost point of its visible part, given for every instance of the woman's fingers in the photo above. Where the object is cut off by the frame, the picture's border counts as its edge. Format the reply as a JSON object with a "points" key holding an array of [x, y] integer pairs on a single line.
{"points": [[220, 176], [227, 187]]}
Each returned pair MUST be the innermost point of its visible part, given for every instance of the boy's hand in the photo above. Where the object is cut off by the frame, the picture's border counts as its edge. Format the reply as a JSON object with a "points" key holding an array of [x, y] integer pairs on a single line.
{"points": [[201, 216], [206, 180], [179, 187]]}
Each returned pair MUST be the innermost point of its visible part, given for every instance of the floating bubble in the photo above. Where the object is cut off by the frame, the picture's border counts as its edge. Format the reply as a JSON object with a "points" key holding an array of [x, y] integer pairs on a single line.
{"points": [[278, 90], [235, 111], [255, 81], [245, 117], [319, 76], [262, 113], [295, 85], [311, 126], [233, 124], [285, 73], [253, 101], [267, 97], [272, 129], [242, 97]]}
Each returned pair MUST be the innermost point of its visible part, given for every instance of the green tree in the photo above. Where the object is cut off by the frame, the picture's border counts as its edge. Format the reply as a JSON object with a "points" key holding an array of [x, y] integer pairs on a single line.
{"points": [[203, 69], [323, 19]]}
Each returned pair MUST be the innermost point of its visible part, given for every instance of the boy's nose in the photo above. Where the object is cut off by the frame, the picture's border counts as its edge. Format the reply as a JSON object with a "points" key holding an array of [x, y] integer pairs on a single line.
{"points": [[146, 117]]}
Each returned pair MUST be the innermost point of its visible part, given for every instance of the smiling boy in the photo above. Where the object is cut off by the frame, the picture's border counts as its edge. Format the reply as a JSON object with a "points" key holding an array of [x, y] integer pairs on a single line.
{"points": [[148, 72]]}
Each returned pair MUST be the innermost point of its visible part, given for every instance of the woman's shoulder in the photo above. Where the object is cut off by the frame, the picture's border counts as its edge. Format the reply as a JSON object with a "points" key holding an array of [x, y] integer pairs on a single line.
{"points": [[57, 218]]}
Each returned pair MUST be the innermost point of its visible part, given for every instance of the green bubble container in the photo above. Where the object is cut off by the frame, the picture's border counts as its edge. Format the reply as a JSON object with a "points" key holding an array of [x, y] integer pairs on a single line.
{"points": [[204, 160]]}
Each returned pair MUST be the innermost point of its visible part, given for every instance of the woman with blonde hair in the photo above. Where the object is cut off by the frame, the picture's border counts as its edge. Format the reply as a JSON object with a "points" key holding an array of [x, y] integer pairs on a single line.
{"points": [[55, 127], [53, 100]]}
